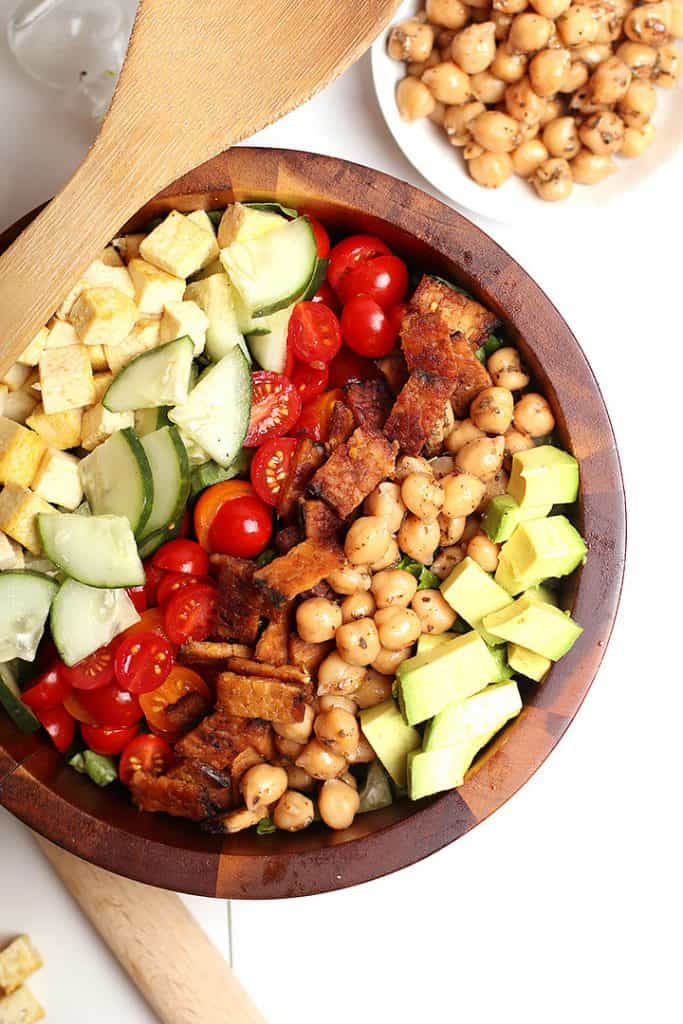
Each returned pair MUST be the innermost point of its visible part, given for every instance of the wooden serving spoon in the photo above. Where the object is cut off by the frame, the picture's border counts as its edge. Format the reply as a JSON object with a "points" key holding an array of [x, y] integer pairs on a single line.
{"points": [[198, 78]]}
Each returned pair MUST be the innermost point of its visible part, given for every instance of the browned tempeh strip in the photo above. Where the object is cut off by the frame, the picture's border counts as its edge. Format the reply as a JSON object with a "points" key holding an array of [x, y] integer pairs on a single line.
{"points": [[253, 696], [299, 570], [283, 673], [353, 470]]}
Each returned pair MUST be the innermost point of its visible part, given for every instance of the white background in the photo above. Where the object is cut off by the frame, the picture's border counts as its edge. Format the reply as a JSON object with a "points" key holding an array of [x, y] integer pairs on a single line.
{"points": [[566, 905]]}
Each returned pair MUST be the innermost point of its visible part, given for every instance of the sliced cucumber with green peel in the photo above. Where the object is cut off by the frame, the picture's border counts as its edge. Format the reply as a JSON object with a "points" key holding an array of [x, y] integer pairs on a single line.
{"points": [[25, 599], [284, 211], [171, 474], [10, 700], [149, 420], [272, 271], [211, 473], [83, 619], [99, 551], [317, 278], [214, 295], [158, 377], [117, 479], [152, 543], [269, 349]]}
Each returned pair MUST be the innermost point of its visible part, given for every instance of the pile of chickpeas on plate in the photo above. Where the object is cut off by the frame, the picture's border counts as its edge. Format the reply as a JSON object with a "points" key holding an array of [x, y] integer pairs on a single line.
{"points": [[550, 90]]}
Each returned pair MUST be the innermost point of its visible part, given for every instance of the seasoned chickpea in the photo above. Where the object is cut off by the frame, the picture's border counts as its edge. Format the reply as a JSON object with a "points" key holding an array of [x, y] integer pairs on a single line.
{"points": [[410, 464], [357, 642], [576, 77], [442, 466], [241, 818], [482, 457], [474, 48], [451, 529], [288, 748], [338, 731], [506, 369], [337, 700], [490, 170], [349, 580], [263, 785], [336, 675], [397, 627], [433, 611], [367, 540], [294, 812], [495, 131], [487, 88], [471, 530], [602, 133], [561, 138], [529, 33], [667, 69], [297, 732], [550, 8], [411, 40], [510, 6], [462, 494], [527, 157], [422, 495], [297, 778], [363, 754], [533, 415], [417, 68], [577, 25], [317, 619], [319, 761], [610, 81], [473, 150], [387, 662], [393, 587], [553, 180], [636, 140], [413, 99], [517, 441], [446, 561], [496, 485], [639, 57], [502, 23], [447, 13], [491, 410], [548, 71], [592, 54], [448, 83], [638, 104], [357, 606], [528, 132], [484, 552], [438, 113], [391, 556], [590, 169], [649, 23], [509, 67], [374, 689], [522, 103], [419, 538], [338, 804], [386, 501], [554, 107], [458, 120]]}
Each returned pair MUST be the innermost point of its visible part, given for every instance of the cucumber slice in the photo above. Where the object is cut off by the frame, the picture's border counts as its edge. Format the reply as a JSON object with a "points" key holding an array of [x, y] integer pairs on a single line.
{"points": [[117, 479], [284, 211], [160, 376], [83, 619], [216, 415], [270, 349], [317, 278], [99, 551], [272, 271], [211, 473], [215, 296], [10, 700], [25, 599], [149, 420], [152, 543], [171, 474]]}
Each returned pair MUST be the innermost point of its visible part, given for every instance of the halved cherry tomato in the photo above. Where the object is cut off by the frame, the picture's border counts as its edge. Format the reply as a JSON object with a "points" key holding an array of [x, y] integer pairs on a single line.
{"points": [[93, 672], [186, 522], [352, 251], [366, 327], [153, 577], [189, 613], [211, 500], [243, 528], [384, 279], [151, 621], [143, 662], [182, 555], [322, 239], [270, 466], [104, 740], [73, 705], [310, 380], [112, 706], [48, 691], [138, 596], [59, 726], [181, 682], [275, 406], [325, 295], [176, 581], [145, 753], [314, 421], [347, 366], [314, 332]]}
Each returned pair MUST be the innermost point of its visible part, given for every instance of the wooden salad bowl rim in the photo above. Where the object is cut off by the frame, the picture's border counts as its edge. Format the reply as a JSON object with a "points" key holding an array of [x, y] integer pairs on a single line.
{"points": [[102, 826]]}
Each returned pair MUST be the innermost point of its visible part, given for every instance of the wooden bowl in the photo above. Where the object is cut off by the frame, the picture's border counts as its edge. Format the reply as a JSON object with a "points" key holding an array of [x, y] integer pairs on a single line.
{"points": [[103, 827]]}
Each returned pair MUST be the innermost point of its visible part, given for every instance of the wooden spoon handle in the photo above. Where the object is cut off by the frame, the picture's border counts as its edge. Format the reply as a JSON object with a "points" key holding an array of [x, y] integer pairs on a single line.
{"points": [[156, 940]]}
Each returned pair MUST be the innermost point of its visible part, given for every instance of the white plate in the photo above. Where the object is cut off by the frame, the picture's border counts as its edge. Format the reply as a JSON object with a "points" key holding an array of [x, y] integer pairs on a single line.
{"points": [[425, 146]]}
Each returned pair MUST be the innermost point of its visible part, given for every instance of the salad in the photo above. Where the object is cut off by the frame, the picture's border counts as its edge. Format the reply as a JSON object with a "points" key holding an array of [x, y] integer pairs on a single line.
{"points": [[281, 524]]}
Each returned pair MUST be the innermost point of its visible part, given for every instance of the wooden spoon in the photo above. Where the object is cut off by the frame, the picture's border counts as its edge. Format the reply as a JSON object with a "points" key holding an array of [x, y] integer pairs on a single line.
{"points": [[198, 78]]}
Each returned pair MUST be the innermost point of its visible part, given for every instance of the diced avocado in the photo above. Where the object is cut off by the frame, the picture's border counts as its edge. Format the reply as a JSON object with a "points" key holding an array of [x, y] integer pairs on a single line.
{"points": [[376, 792], [527, 663], [473, 593], [432, 771], [499, 655], [389, 736], [540, 627], [503, 515], [542, 593], [544, 476], [452, 671], [537, 551], [428, 641]]}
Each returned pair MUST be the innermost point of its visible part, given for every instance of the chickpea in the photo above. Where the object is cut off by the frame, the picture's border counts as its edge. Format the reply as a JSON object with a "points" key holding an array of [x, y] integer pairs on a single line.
{"points": [[288, 748], [517, 441], [636, 140], [297, 732], [448, 13], [590, 169], [474, 48], [603, 133], [417, 68], [386, 501], [592, 54], [297, 778], [398, 628], [446, 561], [349, 580], [502, 23], [610, 81], [528, 132], [561, 138], [667, 69], [363, 754], [367, 540], [495, 131], [448, 83], [393, 587], [458, 120], [527, 157], [433, 611], [509, 67], [548, 71], [338, 731], [510, 6], [523, 104], [438, 114], [319, 761], [550, 8], [462, 494], [484, 552], [487, 88], [375, 689], [337, 700], [294, 812], [338, 804], [411, 40], [491, 410], [422, 495], [414, 99], [529, 33], [358, 606], [390, 557], [241, 818], [419, 539], [577, 25], [553, 180], [410, 464], [357, 642], [498, 484], [317, 619], [490, 170], [451, 529], [649, 23], [639, 58], [482, 457], [473, 150], [533, 416], [442, 466], [336, 675], [388, 661], [506, 369], [576, 77], [677, 19], [263, 785], [472, 528], [638, 104]]}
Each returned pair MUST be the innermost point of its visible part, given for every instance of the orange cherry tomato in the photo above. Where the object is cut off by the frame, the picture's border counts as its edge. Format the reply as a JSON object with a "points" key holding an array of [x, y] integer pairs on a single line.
{"points": [[151, 621], [73, 705], [314, 421], [181, 681], [211, 500]]}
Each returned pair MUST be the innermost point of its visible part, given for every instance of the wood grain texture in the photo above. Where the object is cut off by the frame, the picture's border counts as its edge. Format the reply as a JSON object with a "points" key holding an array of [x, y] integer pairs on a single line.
{"points": [[198, 77], [103, 826]]}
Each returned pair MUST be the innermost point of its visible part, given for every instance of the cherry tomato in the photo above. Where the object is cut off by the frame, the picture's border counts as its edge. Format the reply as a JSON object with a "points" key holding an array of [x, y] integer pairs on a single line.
{"points": [[275, 406], [184, 530], [242, 527], [352, 251], [325, 295], [176, 581], [60, 727], [314, 332], [310, 380], [322, 239], [104, 740], [347, 367], [211, 500], [189, 613], [181, 682], [182, 555], [314, 421], [143, 662], [112, 706], [145, 753], [49, 690], [270, 466], [151, 621], [153, 577], [93, 672], [384, 279], [366, 327], [73, 705], [138, 596]]}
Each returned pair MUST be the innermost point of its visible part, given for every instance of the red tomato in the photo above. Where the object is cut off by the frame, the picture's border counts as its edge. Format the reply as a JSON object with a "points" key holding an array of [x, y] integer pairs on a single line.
{"points": [[366, 327], [347, 366], [176, 581], [322, 239], [138, 596], [181, 682], [211, 500], [182, 555], [242, 527], [73, 705], [94, 672], [325, 295], [270, 466], [112, 706], [384, 279], [189, 613], [314, 332], [310, 380], [48, 691], [275, 407], [314, 421], [151, 621], [59, 726], [153, 577], [349, 253], [143, 662], [145, 753], [185, 524], [105, 740]]}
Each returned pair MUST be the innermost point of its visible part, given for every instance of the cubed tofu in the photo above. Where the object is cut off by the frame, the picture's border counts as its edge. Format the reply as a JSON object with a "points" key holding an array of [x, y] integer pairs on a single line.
{"points": [[98, 358], [99, 424], [61, 335], [21, 1007], [66, 380], [154, 287], [19, 405], [179, 246], [144, 336], [103, 316], [17, 962], [20, 453], [58, 480], [31, 354], [202, 220], [181, 318], [18, 510], [100, 274], [16, 376], [11, 554], [128, 246], [58, 429], [102, 382]]}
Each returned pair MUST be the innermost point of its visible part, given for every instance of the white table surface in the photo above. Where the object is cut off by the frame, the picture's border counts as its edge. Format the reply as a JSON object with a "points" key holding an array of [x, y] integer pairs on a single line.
{"points": [[565, 905]]}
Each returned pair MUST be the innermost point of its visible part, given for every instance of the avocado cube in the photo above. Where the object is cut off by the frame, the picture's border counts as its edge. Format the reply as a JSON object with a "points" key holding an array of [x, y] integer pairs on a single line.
{"points": [[503, 670], [527, 663], [503, 515], [538, 550], [540, 627], [544, 476], [452, 671], [428, 641], [432, 771], [473, 593], [389, 736]]}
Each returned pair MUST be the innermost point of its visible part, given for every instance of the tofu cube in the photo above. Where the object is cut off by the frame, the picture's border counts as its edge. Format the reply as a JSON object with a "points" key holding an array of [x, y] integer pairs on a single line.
{"points": [[178, 246], [58, 429], [129, 246], [66, 380], [11, 556], [181, 318], [21, 1007], [18, 510], [102, 382], [19, 405], [17, 375], [154, 287], [106, 272], [58, 480], [98, 358], [17, 961], [144, 336], [99, 424], [203, 221], [103, 316], [31, 354], [20, 453], [61, 335]]}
